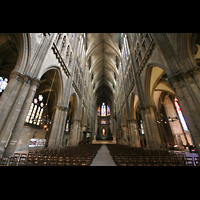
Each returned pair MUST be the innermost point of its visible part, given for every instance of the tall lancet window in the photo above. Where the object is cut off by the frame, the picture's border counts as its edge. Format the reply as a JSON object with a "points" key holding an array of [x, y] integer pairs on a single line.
{"points": [[180, 114], [35, 112], [108, 110], [99, 111], [103, 110]]}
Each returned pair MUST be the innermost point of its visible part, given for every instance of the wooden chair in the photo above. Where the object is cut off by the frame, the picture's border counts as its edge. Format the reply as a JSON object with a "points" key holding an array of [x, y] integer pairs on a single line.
{"points": [[22, 161], [4, 161], [197, 161], [189, 161], [14, 160]]}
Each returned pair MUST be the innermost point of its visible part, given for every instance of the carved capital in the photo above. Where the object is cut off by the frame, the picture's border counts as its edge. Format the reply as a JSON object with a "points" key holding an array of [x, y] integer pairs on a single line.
{"points": [[181, 75], [131, 120], [178, 76], [36, 82], [193, 70], [16, 75], [62, 108], [26, 78], [145, 107]]}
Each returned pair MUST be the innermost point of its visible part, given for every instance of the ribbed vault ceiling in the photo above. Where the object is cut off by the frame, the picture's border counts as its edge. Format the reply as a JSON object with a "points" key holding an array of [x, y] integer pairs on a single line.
{"points": [[102, 49]]}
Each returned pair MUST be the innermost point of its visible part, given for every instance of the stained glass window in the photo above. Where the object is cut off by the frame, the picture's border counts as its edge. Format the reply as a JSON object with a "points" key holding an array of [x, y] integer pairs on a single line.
{"points": [[103, 110], [108, 110], [103, 121], [35, 112], [103, 131], [99, 111], [40, 97], [180, 114], [3, 84]]}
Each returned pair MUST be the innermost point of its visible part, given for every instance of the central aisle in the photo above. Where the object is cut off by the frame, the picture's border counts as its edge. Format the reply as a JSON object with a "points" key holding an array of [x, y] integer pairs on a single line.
{"points": [[103, 158]]}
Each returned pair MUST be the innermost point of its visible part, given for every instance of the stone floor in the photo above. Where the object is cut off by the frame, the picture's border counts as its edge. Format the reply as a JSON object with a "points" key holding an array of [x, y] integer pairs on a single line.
{"points": [[103, 157]]}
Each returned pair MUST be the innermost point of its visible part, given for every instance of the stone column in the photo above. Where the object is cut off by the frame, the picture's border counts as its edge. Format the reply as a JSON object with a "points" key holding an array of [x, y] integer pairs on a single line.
{"points": [[9, 96], [54, 130], [185, 82], [151, 130], [187, 93], [58, 126], [133, 133], [83, 127], [119, 136], [14, 113], [74, 132], [21, 119], [60, 130], [123, 136], [148, 135]]}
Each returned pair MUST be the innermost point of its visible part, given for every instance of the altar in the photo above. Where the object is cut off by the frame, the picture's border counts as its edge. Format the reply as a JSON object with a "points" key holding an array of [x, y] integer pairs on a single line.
{"points": [[103, 137]]}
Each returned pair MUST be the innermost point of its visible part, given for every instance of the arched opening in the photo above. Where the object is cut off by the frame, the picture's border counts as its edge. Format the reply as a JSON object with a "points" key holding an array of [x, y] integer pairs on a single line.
{"points": [[8, 58], [103, 113], [134, 124], [140, 127], [103, 122], [125, 128], [177, 135], [170, 126], [39, 120], [68, 125], [70, 121], [83, 127]]}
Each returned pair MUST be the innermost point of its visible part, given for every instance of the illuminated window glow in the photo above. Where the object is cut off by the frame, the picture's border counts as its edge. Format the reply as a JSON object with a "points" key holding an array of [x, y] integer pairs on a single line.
{"points": [[103, 131], [3, 84], [108, 111], [103, 110], [180, 114], [35, 112], [99, 110], [103, 121]]}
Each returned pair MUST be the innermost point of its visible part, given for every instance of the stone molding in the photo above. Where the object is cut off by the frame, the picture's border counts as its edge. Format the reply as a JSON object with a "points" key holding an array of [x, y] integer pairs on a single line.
{"points": [[62, 108], [132, 120], [16, 75], [181, 75], [24, 78], [145, 107]]}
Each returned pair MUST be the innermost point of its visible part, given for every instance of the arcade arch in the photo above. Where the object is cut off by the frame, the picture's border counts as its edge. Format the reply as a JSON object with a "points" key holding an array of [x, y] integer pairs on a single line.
{"points": [[40, 114], [162, 96]]}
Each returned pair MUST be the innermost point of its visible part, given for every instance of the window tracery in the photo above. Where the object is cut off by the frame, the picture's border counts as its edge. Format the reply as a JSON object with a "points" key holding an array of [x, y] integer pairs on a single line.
{"points": [[35, 112], [103, 110]]}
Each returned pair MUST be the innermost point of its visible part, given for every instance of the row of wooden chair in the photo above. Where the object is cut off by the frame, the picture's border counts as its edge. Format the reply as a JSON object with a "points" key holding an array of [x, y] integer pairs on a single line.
{"points": [[67, 156], [156, 161], [135, 156]]}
